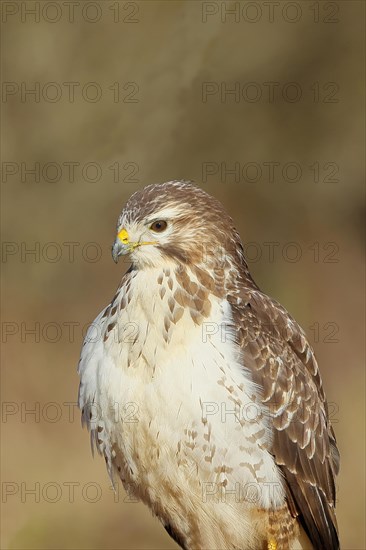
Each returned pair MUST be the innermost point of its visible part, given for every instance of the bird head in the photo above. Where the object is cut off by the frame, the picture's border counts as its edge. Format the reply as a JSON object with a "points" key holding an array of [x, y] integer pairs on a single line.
{"points": [[174, 221]]}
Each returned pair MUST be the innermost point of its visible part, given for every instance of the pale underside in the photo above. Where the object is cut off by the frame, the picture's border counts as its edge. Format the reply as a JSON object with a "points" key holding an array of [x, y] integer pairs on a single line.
{"points": [[179, 419]]}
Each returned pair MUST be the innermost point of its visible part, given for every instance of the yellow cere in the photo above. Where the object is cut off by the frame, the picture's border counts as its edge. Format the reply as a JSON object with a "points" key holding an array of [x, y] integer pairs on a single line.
{"points": [[123, 236]]}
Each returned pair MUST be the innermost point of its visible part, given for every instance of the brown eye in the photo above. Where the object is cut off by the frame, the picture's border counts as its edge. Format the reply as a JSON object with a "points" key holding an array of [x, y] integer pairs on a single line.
{"points": [[159, 226]]}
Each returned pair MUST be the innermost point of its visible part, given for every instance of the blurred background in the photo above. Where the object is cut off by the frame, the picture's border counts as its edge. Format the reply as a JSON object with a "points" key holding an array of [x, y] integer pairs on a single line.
{"points": [[261, 103]]}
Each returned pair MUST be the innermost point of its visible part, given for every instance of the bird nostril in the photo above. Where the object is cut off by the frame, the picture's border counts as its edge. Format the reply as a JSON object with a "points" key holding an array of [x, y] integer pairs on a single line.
{"points": [[123, 236]]}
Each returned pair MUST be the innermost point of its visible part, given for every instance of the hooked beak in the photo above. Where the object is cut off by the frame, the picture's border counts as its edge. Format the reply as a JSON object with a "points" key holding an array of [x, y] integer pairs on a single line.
{"points": [[123, 246], [119, 249]]}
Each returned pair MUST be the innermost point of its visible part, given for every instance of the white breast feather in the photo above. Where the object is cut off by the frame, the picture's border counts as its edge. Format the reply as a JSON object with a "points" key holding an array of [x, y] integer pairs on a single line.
{"points": [[170, 412]]}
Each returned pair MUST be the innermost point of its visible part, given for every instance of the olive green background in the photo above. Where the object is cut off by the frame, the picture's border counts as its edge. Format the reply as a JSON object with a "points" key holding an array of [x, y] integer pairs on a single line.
{"points": [[162, 55]]}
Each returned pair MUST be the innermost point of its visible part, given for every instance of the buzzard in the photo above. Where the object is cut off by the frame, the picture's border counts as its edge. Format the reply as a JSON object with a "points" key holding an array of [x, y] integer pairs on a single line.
{"points": [[201, 392]]}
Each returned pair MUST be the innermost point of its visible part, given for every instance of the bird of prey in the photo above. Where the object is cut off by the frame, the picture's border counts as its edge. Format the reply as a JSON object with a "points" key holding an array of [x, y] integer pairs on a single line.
{"points": [[201, 392]]}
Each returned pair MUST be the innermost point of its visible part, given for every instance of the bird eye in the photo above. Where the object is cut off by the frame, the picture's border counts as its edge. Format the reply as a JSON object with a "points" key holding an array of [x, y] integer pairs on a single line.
{"points": [[159, 226]]}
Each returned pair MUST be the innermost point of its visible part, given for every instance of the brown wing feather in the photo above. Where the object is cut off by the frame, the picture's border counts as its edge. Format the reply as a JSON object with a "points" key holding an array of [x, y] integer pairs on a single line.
{"points": [[282, 362]]}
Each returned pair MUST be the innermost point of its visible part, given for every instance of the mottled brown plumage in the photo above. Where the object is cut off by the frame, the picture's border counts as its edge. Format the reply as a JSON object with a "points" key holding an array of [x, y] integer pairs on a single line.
{"points": [[202, 264], [304, 444]]}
